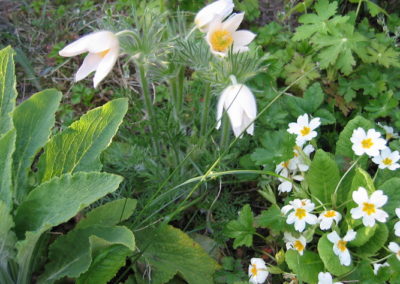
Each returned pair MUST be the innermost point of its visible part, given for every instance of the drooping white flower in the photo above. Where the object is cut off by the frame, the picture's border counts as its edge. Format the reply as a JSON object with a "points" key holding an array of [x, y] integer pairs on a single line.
{"points": [[222, 35], [304, 129], [377, 266], [369, 142], [397, 225], [292, 242], [395, 248], [387, 159], [298, 162], [240, 104], [326, 278], [389, 131], [258, 272], [301, 213], [368, 207], [283, 170], [327, 217], [217, 10], [103, 50], [339, 246]]}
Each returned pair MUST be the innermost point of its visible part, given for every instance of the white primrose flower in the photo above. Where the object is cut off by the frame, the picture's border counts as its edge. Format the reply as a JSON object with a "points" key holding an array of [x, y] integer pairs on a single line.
{"points": [[326, 278], [377, 266], [389, 131], [298, 162], [217, 10], [301, 213], [387, 159], [327, 217], [369, 142], [258, 272], [395, 248], [339, 246], [283, 170], [292, 242], [103, 51], [240, 104], [304, 129], [222, 35], [368, 207], [397, 225]]}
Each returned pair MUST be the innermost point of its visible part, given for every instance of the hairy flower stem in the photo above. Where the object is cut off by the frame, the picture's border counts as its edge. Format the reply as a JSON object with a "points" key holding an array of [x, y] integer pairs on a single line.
{"points": [[205, 111], [149, 107], [224, 142]]}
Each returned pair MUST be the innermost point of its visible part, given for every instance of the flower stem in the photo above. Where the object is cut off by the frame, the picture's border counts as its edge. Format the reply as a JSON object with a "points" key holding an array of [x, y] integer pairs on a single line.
{"points": [[358, 7], [224, 142], [206, 110]]}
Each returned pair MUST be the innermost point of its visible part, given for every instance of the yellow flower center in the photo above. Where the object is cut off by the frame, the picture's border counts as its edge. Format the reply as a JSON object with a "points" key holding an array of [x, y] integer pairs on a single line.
{"points": [[254, 269], [330, 214], [342, 245], [369, 208], [221, 40], [306, 130], [387, 161], [300, 213], [103, 53], [285, 164], [367, 143], [298, 246]]}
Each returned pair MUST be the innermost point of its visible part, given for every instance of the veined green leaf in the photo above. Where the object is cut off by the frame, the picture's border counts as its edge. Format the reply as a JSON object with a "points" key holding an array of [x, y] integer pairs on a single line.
{"points": [[7, 236], [376, 242], [33, 120], [8, 94], [7, 148], [78, 148], [242, 229], [169, 251], [306, 266], [61, 198]]}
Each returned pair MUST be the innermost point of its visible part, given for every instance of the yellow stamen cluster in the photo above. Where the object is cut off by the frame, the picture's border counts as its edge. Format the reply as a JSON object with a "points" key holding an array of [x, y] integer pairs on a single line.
{"points": [[254, 270], [367, 143], [369, 208], [300, 213], [298, 246], [387, 161], [342, 245], [103, 53], [330, 214], [306, 130], [221, 40]]}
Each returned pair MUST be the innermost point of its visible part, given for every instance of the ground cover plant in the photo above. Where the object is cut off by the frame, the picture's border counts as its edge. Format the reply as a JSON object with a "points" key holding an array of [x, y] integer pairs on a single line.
{"points": [[200, 142]]}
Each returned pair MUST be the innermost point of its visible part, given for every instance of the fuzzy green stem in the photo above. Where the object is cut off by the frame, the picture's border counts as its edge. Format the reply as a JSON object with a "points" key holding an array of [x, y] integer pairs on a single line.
{"points": [[206, 110], [358, 7], [225, 133], [180, 89], [172, 84]]}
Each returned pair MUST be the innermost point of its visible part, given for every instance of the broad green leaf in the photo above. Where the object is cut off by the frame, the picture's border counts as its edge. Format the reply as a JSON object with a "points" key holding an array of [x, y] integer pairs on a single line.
{"points": [[322, 177], [363, 235], [272, 219], [71, 255], [395, 267], [306, 266], [361, 179], [110, 213], [169, 251], [8, 94], [330, 259], [312, 99], [7, 236], [105, 265], [391, 189], [25, 249], [7, 148], [61, 198], [363, 273], [242, 229], [344, 145], [33, 120], [376, 242], [78, 148]]}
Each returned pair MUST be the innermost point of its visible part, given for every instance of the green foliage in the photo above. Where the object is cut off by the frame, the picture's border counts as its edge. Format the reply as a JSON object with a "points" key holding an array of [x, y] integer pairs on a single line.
{"points": [[391, 189], [7, 148], [301, 71], [231, 271], [169, 251], [272, 219], [363, 236], [306, 266], [376, 242], [330, 259], [7, 236], [242, 229]]}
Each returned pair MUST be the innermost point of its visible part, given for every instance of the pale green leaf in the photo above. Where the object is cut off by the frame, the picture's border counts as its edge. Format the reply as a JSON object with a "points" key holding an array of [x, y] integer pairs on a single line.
{"points": [[330, 259], [7, 148], [306, 266], [33, 120], [242, 229], [391, 189], [376, 242], [169, 251], [110, 213], [72, 254], [363, 235], [25, 249], [322, 177], [61, 198], [78, 148], [8, 93], [7, 236]]}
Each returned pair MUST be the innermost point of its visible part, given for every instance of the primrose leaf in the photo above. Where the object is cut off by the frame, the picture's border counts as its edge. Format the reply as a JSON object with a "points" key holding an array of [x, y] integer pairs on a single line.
{"points": [[306, 266], [242, 229]]}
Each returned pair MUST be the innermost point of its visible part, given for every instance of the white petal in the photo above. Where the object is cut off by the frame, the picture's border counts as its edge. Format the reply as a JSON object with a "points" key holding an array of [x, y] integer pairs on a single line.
{"points": [[326, 223], [356, 213], [360, 196], [368, 221], [324, 278], [398, 212], [345, 258], [378, 198], [220, 108], [285, 209], [311, 219], [314, 123], [233, 22], [394, 247], [89, 65], [299, 225], [302, 120], [248, 102], [77, 47], [351, 235], [101, 41], [243, 37], [285, 186], [291, 218], [381, 215], [105, 66], [397, 229], [218, 9], [333, 237]]}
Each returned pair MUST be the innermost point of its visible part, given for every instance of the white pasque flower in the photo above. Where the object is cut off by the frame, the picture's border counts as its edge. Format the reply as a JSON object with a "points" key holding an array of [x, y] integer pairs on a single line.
{"points": [[103, 48], [368, 207], [326, 278], [222, 35], [298, 162], [389, 131], [397, 225], [369, 142], [283, 170], [304, 129], [327, 217], [292, 242], [240, 104], [301, 213], [339, 246], [377, 266], [217, 10], [387, 159], [395, 248], [258, 272]]}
